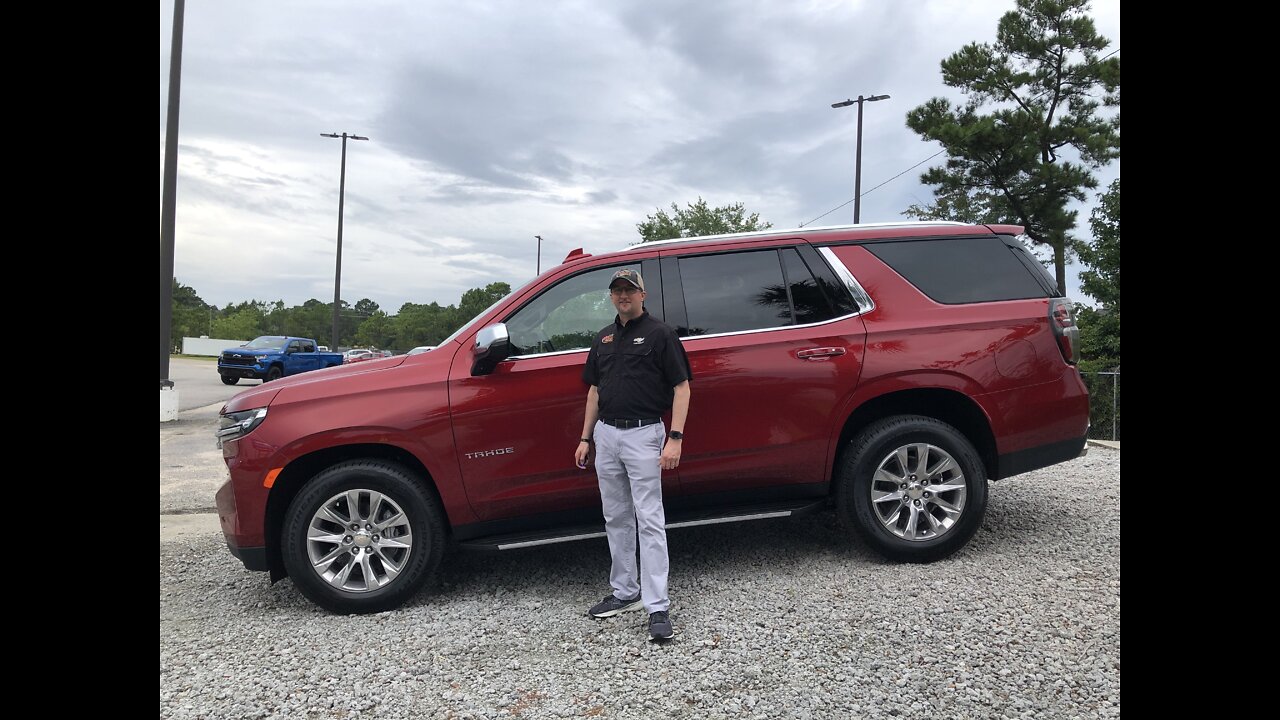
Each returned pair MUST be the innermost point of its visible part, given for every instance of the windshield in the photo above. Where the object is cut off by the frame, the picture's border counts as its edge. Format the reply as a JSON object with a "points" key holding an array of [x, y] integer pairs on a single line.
{"points": [[267, 342], [469, 323]]}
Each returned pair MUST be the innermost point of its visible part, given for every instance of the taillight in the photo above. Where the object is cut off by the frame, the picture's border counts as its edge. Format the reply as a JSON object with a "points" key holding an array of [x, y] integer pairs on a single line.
{"points": [[1063, 321]]}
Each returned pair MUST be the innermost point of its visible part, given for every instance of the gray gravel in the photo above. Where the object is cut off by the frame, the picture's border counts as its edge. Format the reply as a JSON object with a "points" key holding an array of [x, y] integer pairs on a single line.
{"points": [[774, 619]]}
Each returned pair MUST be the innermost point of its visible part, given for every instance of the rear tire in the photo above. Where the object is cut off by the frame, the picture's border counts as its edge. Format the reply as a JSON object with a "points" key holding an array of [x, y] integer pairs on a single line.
{"points": [[913, 487], [230, 379], [362, 537]]}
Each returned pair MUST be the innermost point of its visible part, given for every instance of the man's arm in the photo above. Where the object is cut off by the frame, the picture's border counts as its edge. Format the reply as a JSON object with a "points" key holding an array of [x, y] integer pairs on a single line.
{"points": [[679, 411], [588, 424]]}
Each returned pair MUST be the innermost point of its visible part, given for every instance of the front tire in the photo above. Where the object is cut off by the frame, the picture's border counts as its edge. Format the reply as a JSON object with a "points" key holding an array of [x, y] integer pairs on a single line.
{"points": [[362, 537], [275, 373], [913, 487], [230, 379]]}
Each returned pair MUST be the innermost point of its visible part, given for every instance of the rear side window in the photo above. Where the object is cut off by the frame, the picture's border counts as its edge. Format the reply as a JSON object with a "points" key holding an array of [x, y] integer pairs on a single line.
{"points": [[961, 270], [757, 290], [736, 291]]}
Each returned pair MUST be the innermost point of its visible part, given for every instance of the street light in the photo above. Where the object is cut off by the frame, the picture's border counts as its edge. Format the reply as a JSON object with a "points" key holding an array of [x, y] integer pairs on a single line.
{"points": [[342, 191], [857, 175], [539, 254]]}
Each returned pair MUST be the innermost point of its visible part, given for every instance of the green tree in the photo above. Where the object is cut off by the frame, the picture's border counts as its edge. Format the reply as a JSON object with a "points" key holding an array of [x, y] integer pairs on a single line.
{"points": [[698, 220], [418, 324], [1044, 83], [477, 300], [242, 324], [377, 331], [191, 316], [1102, 257], [1100, 328]]}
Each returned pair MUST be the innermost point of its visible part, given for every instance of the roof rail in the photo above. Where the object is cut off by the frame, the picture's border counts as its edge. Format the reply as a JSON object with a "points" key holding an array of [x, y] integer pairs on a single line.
{"points": [[790, 231]]}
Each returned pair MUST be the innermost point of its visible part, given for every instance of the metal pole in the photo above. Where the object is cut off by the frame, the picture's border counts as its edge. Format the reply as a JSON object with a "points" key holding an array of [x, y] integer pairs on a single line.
{"points": [[1115, 383], [857, 173], [539, 254], [342, 192], [337, 273], [168, 205]]}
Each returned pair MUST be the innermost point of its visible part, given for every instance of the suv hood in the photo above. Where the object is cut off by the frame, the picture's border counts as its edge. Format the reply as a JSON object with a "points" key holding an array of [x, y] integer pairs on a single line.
{"points": [[262, 395], [253, 351]]}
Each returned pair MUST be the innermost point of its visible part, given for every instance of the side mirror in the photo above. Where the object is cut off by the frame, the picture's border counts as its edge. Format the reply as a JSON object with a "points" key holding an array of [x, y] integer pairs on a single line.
{"points": [[493, 345]]}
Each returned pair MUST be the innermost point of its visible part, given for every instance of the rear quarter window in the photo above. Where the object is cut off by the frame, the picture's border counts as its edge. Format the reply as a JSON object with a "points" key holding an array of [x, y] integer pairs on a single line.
{"points": [[955, 271]]}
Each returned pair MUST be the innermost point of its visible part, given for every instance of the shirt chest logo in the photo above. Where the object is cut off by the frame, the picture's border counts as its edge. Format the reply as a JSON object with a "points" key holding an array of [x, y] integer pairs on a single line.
{"points": [[638, 341], [606, 339]]}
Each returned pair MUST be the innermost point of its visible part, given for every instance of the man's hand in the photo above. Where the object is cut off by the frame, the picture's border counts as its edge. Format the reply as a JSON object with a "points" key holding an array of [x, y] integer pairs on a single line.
{"points": [[580, 455], [671, 454]]}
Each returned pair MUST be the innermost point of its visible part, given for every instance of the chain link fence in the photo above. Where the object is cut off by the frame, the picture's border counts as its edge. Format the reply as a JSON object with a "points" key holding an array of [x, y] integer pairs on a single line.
{"points": [[1104, 404]]}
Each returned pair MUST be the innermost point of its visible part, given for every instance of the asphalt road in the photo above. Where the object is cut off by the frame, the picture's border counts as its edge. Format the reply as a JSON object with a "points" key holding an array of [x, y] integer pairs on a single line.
{"points": [[191, 467]]}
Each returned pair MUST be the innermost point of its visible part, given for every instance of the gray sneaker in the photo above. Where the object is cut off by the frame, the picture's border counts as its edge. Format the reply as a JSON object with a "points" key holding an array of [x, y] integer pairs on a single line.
{"points": [[660, 626], [611, 606]]}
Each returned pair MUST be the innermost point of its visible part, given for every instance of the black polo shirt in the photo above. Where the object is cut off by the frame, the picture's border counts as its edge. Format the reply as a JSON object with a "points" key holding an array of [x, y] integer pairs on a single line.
{"points": [[636, 367]]}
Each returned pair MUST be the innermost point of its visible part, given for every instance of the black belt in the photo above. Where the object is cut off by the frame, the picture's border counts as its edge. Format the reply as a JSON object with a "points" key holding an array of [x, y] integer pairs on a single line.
{"points": [[625, 424]]}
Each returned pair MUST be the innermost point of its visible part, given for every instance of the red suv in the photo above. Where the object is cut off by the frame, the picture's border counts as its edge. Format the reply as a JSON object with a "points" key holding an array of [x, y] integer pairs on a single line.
{"points": [[890, 370]]}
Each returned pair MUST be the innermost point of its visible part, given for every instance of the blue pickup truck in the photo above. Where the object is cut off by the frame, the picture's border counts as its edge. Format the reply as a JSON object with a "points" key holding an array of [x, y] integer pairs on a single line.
{"points": [[272, 357]]}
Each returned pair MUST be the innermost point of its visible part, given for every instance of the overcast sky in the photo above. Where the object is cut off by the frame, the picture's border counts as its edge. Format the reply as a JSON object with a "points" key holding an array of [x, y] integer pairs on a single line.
{"points": [[492, 122]]}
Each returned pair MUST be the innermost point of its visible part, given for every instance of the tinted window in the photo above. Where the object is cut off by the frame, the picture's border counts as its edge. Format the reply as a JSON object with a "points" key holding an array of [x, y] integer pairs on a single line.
{"points": [[308, 347], [1032, 264], [808, 299], [567, 315], [962, 270], [737, 291], [837, 292]]}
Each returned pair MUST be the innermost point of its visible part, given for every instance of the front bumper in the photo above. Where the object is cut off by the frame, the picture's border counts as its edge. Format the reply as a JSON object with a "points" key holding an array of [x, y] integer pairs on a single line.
{"points": [[248, 548], [242, 371]]}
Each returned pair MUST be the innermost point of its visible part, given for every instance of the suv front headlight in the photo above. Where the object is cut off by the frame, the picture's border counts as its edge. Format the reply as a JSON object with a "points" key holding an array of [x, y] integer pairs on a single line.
{"points": [[236, 425]]}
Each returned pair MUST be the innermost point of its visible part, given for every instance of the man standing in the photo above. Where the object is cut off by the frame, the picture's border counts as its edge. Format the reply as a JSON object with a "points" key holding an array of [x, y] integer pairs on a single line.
{"points": [[637, 370]]}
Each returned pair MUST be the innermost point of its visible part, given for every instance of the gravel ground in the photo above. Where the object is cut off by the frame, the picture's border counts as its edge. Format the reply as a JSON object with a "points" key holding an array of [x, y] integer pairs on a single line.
{"points": [[774, 619]]}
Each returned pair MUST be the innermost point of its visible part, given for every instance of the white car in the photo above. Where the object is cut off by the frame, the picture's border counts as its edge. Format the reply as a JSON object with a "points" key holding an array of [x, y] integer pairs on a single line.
{"points": [[421, 349], [357, 355]]}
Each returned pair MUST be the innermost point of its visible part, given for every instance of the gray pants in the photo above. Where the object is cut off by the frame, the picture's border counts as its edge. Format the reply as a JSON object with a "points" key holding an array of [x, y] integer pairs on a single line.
{"points": [[628, 466]]}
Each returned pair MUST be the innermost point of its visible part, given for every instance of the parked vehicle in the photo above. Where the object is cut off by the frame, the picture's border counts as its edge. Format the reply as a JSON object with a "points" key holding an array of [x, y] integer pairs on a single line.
{"points": [[888, 370], [271, 357], [357, 355]]}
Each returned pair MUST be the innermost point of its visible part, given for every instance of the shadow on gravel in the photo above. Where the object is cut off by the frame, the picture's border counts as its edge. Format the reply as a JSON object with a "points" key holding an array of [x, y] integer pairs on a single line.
{"points": [[713, 555]]}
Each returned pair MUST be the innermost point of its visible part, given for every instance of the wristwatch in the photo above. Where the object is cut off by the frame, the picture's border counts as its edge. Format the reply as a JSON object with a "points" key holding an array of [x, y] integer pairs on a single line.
{"points": [[588, 441], [675, 435]]}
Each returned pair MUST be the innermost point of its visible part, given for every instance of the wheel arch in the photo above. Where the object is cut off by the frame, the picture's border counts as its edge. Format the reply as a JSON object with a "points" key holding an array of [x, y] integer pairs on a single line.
{"points": [[949, 406], [296, 474]]}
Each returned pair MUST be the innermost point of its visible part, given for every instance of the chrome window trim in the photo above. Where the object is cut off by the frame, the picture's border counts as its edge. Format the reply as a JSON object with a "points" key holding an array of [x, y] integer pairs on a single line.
{"points": [[772, 329], [860, 296], [799, 232], [548, 354], [710, 335]]}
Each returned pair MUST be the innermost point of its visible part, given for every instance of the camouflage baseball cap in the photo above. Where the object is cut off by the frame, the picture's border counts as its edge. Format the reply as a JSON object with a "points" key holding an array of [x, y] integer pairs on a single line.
{"points": [[629, 276]]}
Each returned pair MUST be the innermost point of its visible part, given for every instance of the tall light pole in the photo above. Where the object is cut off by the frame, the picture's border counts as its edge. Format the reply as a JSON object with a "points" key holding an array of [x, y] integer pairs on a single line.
{"points": [[342, 191], [169, 196], [857, 173], [539, 254]]}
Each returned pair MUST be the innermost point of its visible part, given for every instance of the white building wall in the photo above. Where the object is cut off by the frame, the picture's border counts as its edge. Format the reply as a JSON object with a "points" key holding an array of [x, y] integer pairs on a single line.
{"points": [[208, 346]]}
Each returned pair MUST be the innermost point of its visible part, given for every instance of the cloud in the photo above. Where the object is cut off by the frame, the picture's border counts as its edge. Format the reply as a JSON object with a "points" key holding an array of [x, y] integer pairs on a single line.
{"points": [[491, 122]]}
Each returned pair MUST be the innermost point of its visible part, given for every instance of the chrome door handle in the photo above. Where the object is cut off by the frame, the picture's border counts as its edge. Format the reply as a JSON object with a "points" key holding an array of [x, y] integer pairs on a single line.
{"points": [[812, 353]]}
